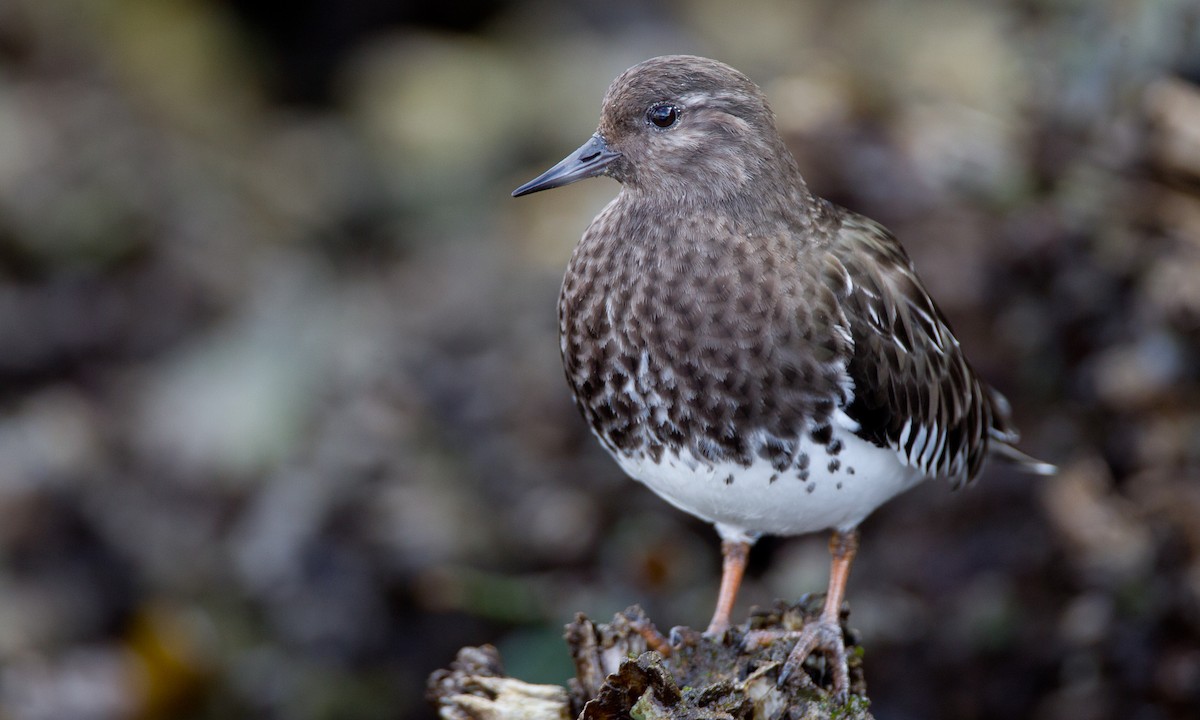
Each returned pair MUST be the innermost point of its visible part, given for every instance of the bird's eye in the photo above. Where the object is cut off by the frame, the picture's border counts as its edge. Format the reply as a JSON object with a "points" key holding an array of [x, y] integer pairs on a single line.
{"points": [[663, 115]]}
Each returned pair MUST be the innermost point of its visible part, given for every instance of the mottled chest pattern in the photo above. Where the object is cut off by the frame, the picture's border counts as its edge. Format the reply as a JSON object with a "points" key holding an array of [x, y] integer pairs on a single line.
{"points": [[702, 336]]}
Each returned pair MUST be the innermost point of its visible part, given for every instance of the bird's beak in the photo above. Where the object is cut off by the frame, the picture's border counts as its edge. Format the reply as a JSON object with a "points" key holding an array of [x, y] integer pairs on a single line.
{"points": [[590, 160]]}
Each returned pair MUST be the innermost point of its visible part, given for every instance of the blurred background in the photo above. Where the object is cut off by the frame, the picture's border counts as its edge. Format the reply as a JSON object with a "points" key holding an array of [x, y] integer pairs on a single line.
{"points": [[282, 418]]}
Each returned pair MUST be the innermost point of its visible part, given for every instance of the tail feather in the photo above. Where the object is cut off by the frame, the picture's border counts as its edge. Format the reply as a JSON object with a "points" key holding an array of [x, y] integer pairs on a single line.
{"points": [[1003, 437], [1028, 463], [1002, 428]]}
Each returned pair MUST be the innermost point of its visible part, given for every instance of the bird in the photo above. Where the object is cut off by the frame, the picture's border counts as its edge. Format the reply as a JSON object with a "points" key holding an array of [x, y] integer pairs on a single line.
{"points": [[759, 357]]}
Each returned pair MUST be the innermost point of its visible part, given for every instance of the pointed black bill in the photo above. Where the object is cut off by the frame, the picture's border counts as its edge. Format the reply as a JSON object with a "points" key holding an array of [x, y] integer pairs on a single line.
{"points": [[590, 160]]}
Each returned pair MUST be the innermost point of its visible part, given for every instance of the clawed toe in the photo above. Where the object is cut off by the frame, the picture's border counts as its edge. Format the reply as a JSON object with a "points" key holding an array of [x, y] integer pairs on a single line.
{"points": [[654, 639], [825, 637], [818, 635]]}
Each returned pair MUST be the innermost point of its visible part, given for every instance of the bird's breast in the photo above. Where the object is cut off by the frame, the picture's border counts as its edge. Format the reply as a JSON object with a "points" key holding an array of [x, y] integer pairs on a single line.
{"points": [[699, 339]]}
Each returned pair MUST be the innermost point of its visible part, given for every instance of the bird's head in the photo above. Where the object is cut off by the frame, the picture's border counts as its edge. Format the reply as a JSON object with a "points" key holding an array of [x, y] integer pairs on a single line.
{"points": [[680, 126]]}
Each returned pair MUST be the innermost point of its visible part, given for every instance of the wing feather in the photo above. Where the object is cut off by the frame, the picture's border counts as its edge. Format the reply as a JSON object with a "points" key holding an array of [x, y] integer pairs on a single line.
{"points": [[914, 390]]}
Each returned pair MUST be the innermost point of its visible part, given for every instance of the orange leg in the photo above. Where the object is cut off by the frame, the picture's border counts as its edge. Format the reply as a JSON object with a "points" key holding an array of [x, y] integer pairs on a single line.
{"points": [[733, 567], [824, 633], [843, 547]]}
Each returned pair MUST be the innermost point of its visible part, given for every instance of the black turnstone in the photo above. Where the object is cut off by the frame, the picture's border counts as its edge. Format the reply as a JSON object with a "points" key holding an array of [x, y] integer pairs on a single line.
{"points": [[757, 356]]}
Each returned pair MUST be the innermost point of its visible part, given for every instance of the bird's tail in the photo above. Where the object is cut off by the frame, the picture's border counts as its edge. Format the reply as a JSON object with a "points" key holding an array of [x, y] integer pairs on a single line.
{"points": [[1000, 448], [1004, 437]]}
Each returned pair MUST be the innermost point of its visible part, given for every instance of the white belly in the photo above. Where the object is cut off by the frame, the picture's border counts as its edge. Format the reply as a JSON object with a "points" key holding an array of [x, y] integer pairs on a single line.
{"points": [[834, 491]]}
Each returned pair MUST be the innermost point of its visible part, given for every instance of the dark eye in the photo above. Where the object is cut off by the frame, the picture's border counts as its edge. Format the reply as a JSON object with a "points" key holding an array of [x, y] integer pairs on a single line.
{"points": [[663, 115]]}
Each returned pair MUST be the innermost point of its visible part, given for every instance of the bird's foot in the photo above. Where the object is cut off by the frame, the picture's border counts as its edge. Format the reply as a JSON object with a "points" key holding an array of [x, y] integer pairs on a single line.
{"points": [[654, 639], [716, 631], [821, 634]]}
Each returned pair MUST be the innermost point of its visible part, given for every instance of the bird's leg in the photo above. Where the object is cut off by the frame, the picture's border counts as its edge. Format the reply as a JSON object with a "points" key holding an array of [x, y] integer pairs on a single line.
{"points": [[733, 566], [824, 633]]}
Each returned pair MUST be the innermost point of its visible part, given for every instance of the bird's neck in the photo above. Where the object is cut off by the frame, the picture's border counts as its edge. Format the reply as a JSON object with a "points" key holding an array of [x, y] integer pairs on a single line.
{"points": [[745, 205]]}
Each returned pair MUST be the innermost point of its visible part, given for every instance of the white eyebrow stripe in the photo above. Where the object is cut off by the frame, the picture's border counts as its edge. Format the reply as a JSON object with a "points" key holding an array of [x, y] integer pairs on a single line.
{"points": [[701, 97]]}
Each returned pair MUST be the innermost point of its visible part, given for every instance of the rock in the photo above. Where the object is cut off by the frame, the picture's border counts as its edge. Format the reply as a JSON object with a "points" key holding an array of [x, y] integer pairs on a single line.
{"points": [[474, 688], [626, 669]]}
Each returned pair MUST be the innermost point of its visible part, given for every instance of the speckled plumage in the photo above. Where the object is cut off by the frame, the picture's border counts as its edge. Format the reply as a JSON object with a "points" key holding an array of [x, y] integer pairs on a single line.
{"points": [[756, 355]]}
